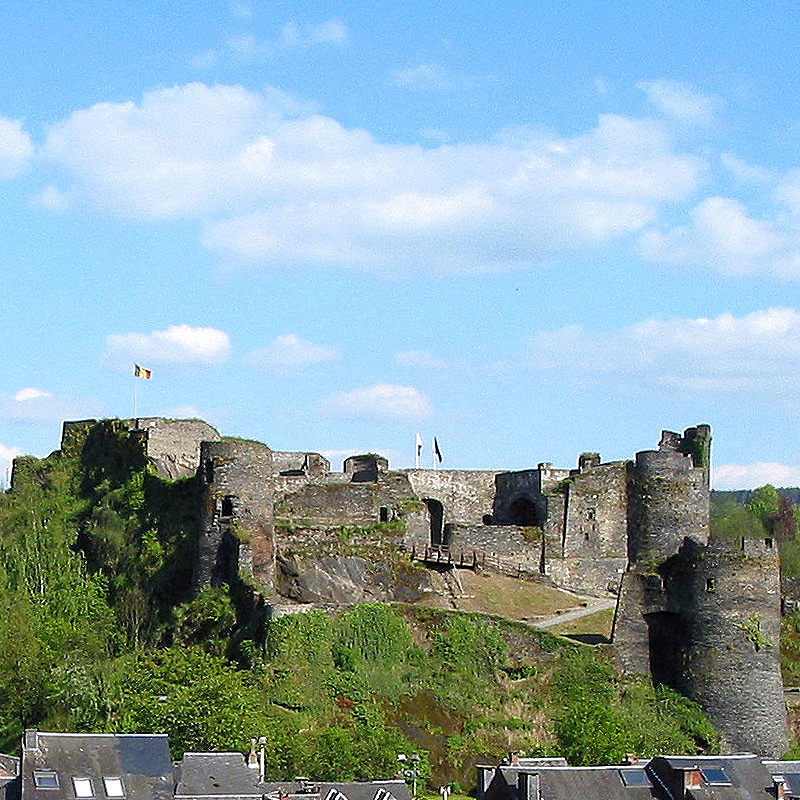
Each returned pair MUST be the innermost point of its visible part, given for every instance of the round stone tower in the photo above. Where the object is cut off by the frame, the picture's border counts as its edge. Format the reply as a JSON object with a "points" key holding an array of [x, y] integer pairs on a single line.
{"points": [[730, 597], [236, 531], [669, 501]]}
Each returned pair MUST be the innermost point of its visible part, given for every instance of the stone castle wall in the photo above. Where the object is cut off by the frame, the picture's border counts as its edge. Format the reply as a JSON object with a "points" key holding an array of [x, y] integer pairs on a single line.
{"points": [[467, 496], [700, 616]]}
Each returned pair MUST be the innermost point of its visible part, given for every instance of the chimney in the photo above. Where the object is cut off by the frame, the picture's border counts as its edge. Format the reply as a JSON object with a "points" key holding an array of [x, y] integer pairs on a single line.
{"points": [[633, 760], [513, 757], [692, 779], [252, 758], [780, 786]]}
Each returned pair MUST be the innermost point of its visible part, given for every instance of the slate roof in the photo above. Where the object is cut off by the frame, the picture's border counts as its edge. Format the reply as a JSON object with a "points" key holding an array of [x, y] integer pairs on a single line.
{"points": [[738, 777], [216, 775], [141, 761]]}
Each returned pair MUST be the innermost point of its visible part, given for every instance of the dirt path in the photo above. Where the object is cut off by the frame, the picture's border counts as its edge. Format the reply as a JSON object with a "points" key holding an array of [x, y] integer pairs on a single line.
{"points": [[592, 605]]}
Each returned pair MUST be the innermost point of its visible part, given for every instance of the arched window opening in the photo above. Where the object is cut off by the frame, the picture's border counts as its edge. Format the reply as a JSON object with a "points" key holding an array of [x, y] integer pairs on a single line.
{"points": [[436, 517], [523, 512]]}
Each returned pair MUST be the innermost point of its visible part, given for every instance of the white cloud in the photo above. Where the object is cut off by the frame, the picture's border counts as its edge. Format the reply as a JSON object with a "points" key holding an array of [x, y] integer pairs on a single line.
{"points": [[51, 199], [34, 406], [382, 401], [680, 101], [744, 172], [7, 456], [723, 236], [208, 58], [277, 185], [241, 9], [178, 343], [16, 147], [292, 36], [333, 31], [425, 77], [750, 476], [290, 352], [419, 358], [29, 393], [758, 352]]}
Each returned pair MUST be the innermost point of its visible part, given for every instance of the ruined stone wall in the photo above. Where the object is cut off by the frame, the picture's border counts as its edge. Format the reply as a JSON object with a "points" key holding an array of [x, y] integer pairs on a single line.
{"points": [[517, 546], [467, 496], [172, 444], [510, 487], [728, 594], [311, 464], [236, 525], [597, 513]]}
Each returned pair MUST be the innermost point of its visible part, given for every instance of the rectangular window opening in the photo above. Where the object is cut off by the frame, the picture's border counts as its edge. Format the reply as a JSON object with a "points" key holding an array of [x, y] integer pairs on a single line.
{"points": [[113, 787], [634, 777], [83, 787], [716, 776], [45, 779]]}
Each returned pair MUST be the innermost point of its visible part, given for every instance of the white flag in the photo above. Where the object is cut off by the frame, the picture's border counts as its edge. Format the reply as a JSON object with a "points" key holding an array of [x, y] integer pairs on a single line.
{"points": [[418, 450]]}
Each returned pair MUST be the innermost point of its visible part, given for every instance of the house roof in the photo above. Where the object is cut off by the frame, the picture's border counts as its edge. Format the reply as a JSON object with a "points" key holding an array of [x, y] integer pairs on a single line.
{"points": [[140, 761]]}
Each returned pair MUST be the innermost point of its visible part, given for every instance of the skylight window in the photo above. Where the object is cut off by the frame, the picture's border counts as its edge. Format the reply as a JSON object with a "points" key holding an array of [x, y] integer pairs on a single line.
{"points": [[334, 794], [113, 787], [45, 779], [83, 787], [634, 777], [715, 776], [383, 794]]}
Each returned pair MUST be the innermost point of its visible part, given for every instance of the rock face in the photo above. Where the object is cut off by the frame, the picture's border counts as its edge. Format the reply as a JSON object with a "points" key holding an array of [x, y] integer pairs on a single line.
{"points": [[347, 580]]}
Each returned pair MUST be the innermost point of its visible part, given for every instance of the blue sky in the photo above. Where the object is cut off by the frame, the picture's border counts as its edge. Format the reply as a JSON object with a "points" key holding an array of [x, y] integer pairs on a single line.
{"points": [[531, 229]]}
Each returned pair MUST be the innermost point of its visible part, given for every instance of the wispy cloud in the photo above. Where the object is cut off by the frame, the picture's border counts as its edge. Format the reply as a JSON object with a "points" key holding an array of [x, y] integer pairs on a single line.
{"points": [[426, 77], [176, 344], [290, 352], [750, 476], [681, 101], [277, 185], [16, 147], [292, 36], [755, 353], [419, 358], [382, 401], [30, 393]]}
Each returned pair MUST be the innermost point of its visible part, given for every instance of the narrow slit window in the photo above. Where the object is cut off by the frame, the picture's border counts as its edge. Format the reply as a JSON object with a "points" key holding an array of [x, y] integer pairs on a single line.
{"points": [[711, 585]]}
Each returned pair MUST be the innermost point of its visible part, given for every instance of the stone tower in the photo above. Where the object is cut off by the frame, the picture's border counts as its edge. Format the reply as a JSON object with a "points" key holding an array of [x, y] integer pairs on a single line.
{"points": [[236, 530], [700, 615]]}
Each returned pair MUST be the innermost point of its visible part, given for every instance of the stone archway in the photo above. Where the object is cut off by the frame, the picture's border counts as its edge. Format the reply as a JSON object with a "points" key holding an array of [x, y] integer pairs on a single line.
{"points": [[525, 513], [436, 518]]}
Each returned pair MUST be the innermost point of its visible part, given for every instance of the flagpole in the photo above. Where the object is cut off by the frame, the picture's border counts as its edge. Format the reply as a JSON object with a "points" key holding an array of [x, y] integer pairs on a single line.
{"points": [[135, 400]]}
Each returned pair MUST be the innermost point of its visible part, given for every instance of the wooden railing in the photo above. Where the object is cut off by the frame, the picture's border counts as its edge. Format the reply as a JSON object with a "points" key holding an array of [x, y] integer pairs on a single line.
{"points": [[472, 559]]}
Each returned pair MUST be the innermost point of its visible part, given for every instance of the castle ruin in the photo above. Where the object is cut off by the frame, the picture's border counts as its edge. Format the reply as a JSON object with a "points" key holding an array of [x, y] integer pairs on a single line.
{"points": [[699, 615]]}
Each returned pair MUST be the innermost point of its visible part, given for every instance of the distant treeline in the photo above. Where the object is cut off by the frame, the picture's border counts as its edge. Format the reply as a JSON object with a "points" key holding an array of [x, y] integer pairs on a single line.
{"points": [[742, 496]]}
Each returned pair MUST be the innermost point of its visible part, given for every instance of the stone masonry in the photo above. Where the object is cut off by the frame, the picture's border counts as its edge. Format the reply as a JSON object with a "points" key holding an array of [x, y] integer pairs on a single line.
{"points": [[698, 615]]}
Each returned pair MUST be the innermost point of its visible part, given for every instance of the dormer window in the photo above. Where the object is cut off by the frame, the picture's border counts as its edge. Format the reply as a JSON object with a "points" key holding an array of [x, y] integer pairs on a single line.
{"points": [[83, 787], [113, 787], [45, 779]]}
